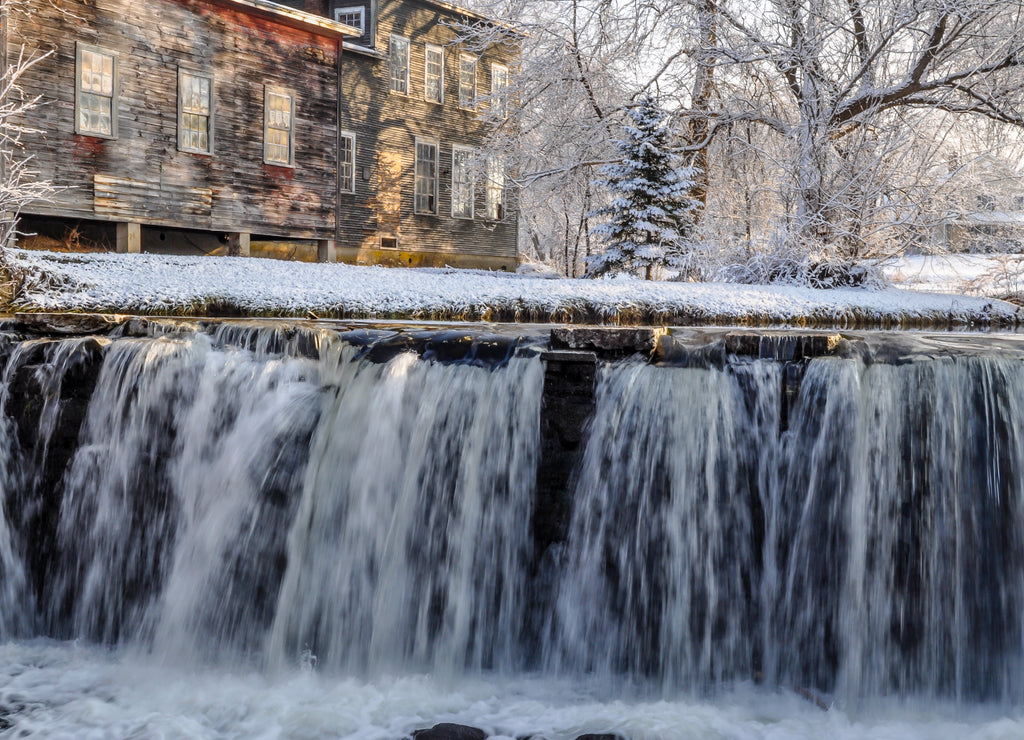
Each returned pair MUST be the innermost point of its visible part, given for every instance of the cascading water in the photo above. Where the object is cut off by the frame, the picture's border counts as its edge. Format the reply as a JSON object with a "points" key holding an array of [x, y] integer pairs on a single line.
{"points": [[231, 502], [874, 547], [228, 498]]}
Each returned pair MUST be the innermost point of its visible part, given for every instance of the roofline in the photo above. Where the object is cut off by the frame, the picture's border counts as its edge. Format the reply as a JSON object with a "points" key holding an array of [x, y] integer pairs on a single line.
{"points": [[451, 7], [296, 18]]}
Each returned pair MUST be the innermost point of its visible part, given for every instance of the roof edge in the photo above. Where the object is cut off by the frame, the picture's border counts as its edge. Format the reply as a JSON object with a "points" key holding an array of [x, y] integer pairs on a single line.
{"points": [[296, 18]]}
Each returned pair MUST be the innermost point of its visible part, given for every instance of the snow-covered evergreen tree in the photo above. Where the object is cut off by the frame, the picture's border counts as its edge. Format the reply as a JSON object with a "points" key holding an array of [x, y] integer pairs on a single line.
{"points": [[650, 216]]}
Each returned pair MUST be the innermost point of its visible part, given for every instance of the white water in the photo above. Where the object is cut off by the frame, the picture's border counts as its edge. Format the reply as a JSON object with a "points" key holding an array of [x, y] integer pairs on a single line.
{"points": [[65, 690], [275, 545]]}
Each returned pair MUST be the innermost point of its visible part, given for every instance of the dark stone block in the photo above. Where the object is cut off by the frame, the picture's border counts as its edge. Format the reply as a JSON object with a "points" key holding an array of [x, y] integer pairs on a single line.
{"points": [[450, 731], [607, 339], [387, 349], [448, 346]]}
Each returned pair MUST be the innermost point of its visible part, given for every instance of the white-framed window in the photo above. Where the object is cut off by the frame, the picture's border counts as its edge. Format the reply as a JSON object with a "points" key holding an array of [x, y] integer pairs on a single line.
{"points": [[499, 90], [467, 81], [433, 87], [352, 16], [398, 61], [463, 190], [347, 161], [278, 127], [195, 112], [426, 176], [95, 92], [495, 195]]}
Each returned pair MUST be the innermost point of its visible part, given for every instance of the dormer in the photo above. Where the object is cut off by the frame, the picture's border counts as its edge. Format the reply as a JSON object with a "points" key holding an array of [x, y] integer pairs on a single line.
{"points": [[355, 13]]}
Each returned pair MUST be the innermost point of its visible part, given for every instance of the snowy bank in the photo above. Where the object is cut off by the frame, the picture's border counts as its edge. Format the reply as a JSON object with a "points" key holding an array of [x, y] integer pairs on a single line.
{"points": [[228, 286]]}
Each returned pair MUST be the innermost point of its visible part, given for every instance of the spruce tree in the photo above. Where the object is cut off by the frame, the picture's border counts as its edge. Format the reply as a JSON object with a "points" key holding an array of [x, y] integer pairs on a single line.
{"points": [[650, 215]]}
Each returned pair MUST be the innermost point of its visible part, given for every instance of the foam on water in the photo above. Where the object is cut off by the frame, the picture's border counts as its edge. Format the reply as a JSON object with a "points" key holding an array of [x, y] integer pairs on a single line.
{"points": [[66, 690]]}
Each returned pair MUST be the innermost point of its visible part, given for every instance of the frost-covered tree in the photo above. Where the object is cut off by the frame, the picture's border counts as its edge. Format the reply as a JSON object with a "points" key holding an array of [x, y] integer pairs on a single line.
{"points": [[651, 212]]}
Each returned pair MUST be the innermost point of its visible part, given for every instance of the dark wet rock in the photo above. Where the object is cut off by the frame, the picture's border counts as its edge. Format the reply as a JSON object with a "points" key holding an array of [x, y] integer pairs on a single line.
{"points": [[601, 736], [365, 337], [68, 324], [612, 340], [388, 348], [448, 346], [450, 731], [786, 347], [493, 350]]}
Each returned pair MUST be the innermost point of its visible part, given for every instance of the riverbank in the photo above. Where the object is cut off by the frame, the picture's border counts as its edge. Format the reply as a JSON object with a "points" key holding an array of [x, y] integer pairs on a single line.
{"points": [[165, 285]]}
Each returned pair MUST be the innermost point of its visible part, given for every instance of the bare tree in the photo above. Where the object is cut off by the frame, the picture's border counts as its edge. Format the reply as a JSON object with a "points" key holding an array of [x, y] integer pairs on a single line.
{"points": [[19, 182], [849, 85], [815, 123]]}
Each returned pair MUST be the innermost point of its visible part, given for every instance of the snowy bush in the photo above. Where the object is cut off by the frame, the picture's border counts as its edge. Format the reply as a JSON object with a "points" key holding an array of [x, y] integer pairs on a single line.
{"points": [[787, 266]]}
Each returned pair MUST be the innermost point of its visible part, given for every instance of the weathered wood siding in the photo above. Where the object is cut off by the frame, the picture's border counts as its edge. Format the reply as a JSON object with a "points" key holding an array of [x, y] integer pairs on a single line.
{"points": [[141, 175], [386, 122]]}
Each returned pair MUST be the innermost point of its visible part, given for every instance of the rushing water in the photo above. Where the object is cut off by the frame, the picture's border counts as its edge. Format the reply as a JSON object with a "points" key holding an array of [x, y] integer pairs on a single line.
{"points": [[283, 534]]}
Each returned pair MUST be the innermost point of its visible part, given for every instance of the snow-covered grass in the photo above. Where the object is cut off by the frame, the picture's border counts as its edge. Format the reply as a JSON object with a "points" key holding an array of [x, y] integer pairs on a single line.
{"points": [[225, 286], [990, 275]]}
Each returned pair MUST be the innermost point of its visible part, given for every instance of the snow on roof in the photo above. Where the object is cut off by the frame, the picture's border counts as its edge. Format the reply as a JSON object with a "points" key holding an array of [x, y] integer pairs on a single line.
{"points": [[161, 284]]}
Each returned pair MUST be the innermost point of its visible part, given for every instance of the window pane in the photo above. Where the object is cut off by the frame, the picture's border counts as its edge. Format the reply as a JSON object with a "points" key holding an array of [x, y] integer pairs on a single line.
{"points": [[278, 146], [495, 189], [398, 54], [499, 83], [350, 16], [195, 112], [467, 81], [347, 172], [426, 177], [435, 72], [462, 184]]}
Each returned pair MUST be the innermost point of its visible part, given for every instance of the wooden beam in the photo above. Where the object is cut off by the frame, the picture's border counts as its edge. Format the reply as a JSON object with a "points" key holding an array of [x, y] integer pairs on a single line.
{"points": [[129, 238], [238, 244]]}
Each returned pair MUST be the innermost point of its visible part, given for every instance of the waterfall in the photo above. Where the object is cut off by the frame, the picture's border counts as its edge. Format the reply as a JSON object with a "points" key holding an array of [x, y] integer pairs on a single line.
{"points": [[232, 498], [245, 495], [871, 545]]}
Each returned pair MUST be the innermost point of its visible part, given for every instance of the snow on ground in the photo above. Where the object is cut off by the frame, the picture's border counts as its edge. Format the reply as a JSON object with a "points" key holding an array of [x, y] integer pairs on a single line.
{"points": [[967, 274], [161, 284]]}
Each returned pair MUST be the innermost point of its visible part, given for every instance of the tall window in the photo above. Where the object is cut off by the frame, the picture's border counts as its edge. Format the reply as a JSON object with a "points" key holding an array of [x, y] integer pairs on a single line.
{"points": [[462, 182], [398, 57], [495, 189], [195, 113], [95, 92], [351, 17], [434, 64], [467, 81], [426, 176], [499, 87], [347, 162], [278, 127]]}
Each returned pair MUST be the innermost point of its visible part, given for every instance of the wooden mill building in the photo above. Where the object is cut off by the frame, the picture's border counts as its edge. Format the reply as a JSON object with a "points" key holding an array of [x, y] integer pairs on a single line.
{"points": [[353, 127]]}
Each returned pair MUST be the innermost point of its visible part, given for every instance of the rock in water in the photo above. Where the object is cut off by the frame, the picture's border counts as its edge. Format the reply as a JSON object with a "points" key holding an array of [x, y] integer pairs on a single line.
{"points": [[450, 731]]}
